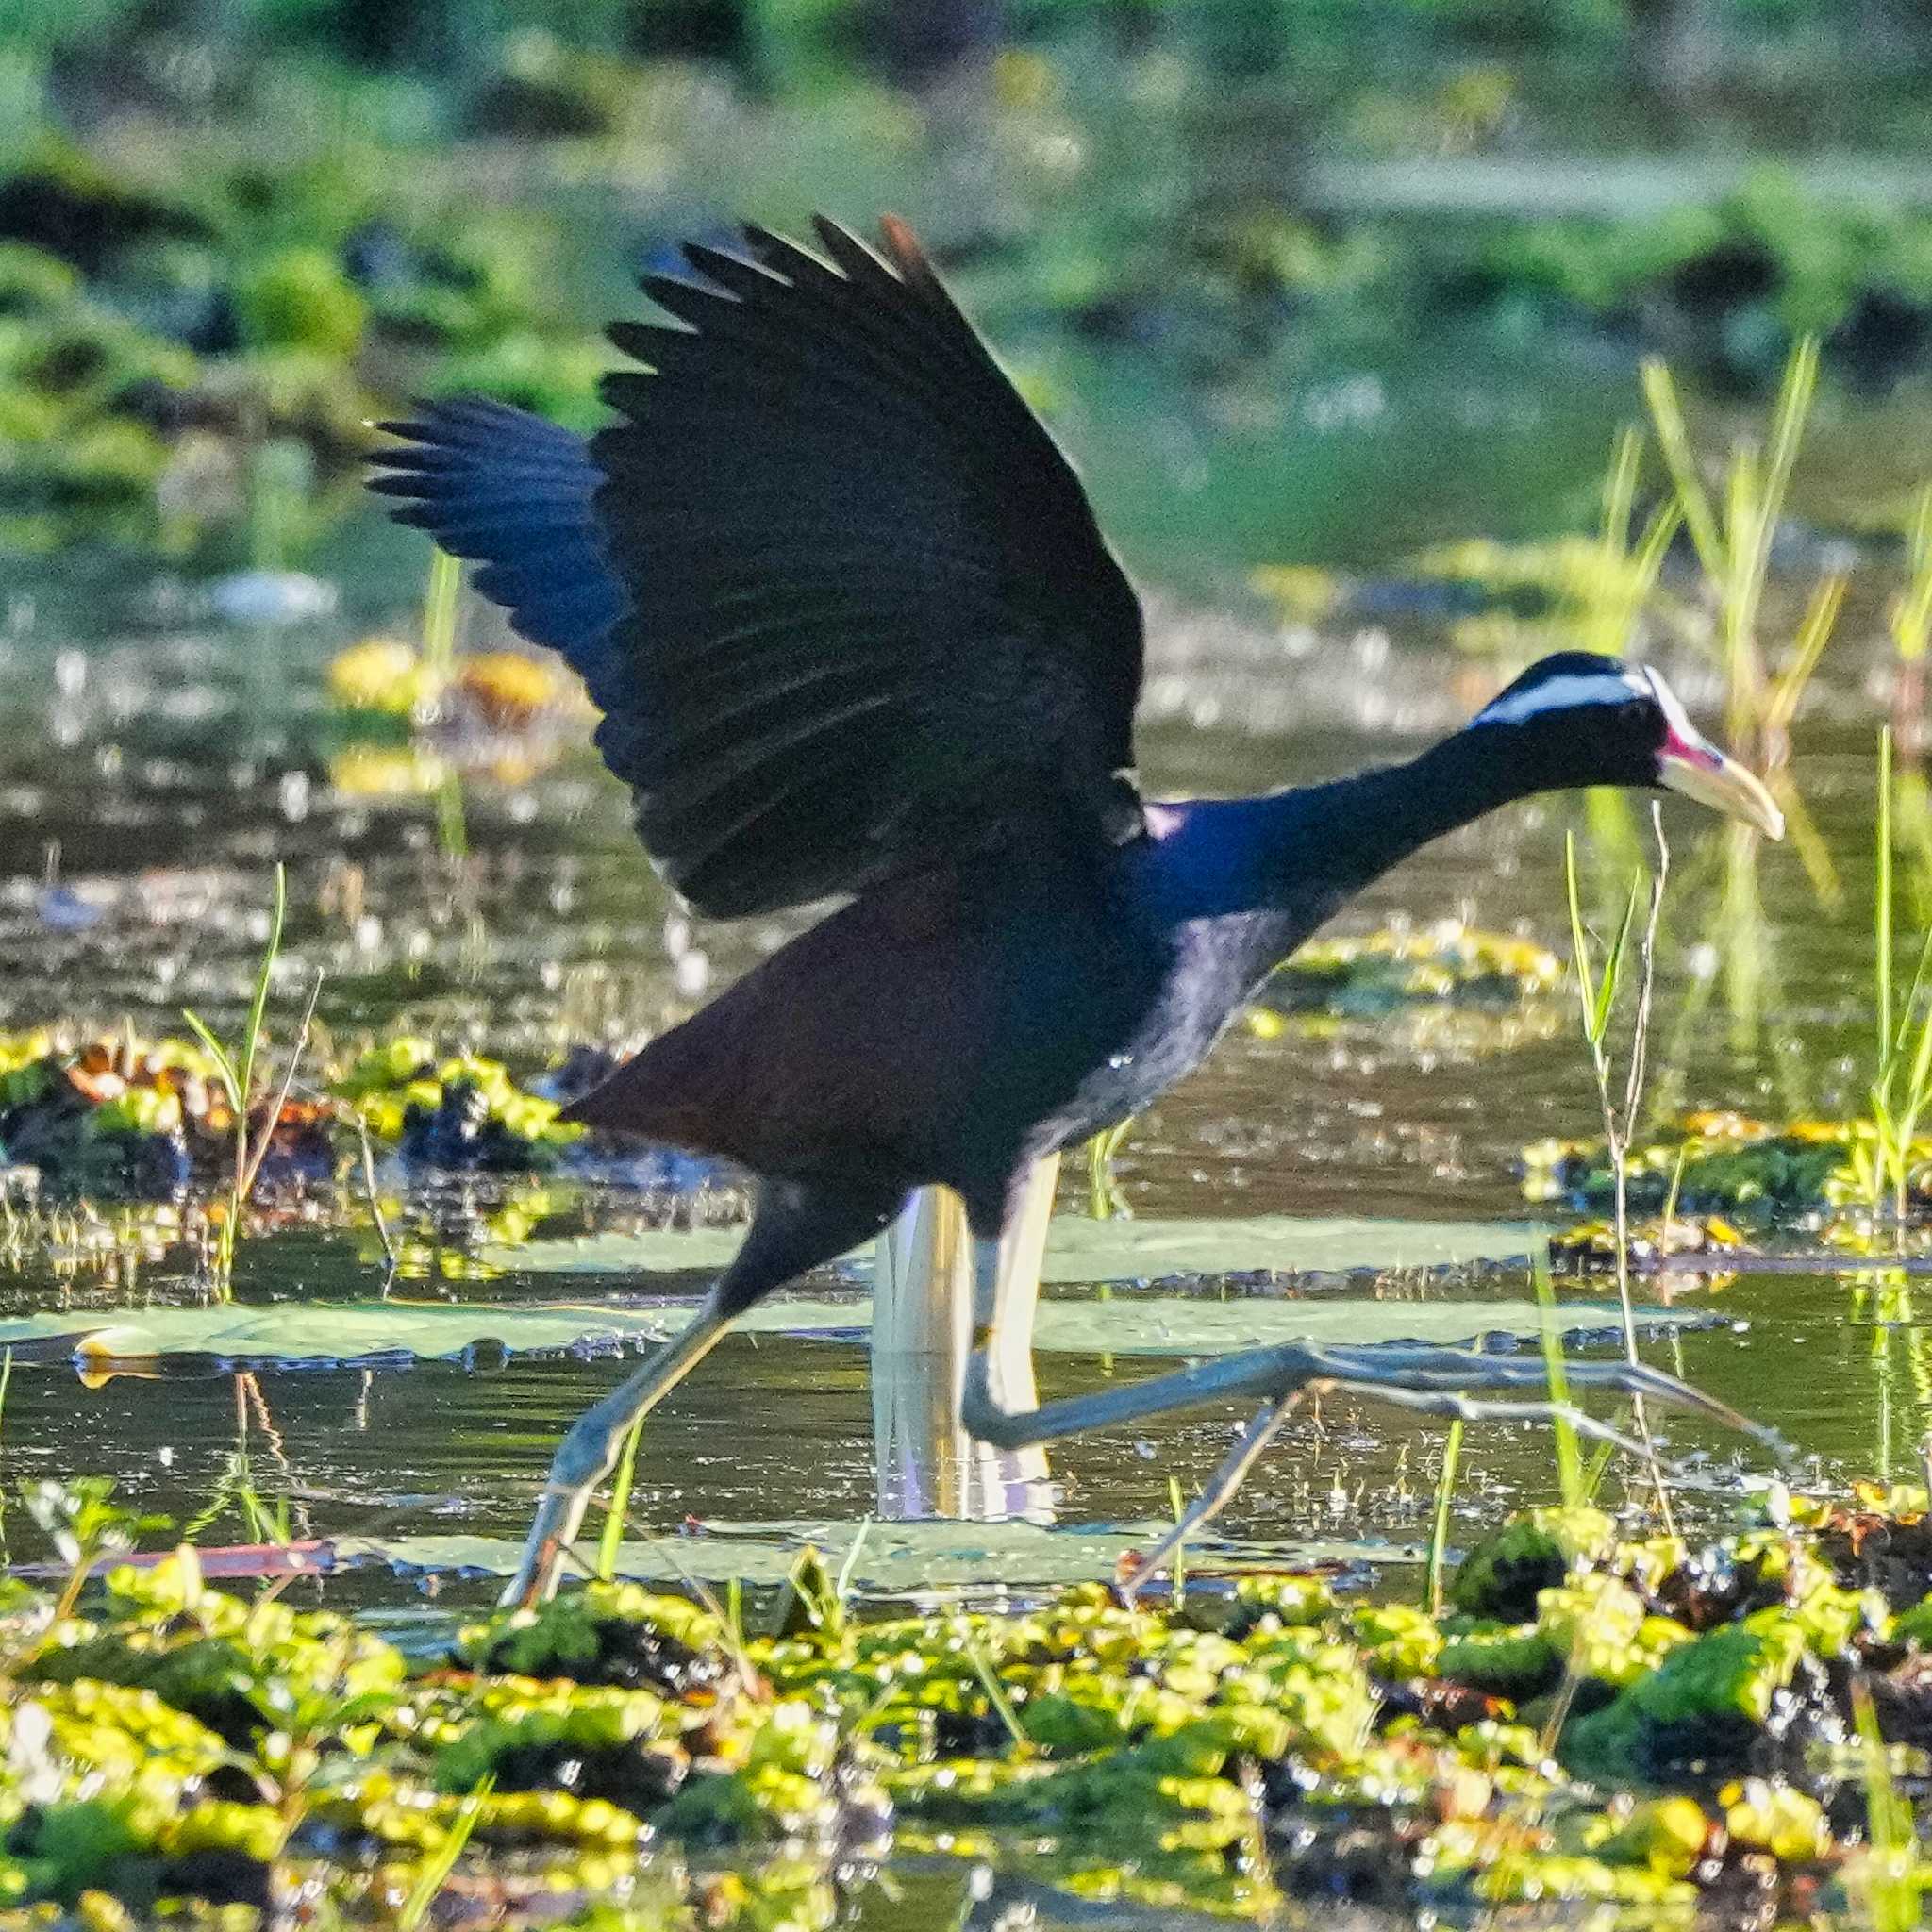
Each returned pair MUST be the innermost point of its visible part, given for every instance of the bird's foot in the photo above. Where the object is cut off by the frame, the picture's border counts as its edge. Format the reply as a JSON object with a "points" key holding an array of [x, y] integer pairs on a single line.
{"points": [[1446, 1382], [1454, 1383]]}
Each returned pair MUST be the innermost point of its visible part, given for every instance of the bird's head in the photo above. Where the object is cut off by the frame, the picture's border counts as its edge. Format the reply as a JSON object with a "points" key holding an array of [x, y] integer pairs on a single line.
{"points": [[1577, 718]]}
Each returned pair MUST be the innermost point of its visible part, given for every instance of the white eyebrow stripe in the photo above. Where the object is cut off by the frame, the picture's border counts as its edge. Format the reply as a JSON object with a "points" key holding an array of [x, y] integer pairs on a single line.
{"points": [[1675, 717], [1558, 693]]}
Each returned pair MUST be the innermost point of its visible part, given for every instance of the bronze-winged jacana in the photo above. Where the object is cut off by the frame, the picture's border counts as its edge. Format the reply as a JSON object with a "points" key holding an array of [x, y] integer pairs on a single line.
{"points": [[854, 631]]}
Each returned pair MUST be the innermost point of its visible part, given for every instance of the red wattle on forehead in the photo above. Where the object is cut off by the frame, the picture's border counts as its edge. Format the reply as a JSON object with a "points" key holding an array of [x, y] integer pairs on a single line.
{"points": [[1678, 746]]}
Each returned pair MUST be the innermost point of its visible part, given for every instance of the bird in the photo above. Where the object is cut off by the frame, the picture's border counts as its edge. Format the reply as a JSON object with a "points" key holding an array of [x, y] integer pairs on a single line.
{"points": [[857, 636]]}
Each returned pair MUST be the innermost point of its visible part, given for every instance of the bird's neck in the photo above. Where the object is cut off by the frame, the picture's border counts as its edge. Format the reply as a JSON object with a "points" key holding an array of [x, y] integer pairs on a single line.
{"points": [[1299, 854], [1376, 818]]}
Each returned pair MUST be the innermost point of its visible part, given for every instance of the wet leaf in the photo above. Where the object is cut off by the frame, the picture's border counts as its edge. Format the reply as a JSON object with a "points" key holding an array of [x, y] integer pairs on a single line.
{"points": [[892, 1558], [1078, 1249], [325, 1334]]}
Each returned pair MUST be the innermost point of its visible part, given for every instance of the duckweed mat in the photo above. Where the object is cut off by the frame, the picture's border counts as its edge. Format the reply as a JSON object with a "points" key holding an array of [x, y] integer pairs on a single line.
{"points": [[1736, 1735]]}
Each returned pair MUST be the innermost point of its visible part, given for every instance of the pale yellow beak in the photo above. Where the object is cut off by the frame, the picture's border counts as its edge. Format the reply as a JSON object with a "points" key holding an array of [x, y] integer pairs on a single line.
{"points": [[1693, 765]]}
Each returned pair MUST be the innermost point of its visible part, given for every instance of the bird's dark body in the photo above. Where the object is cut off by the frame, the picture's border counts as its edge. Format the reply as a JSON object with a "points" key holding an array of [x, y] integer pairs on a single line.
{"points": [[855, 632], [952, 1025], [943, 1027]]}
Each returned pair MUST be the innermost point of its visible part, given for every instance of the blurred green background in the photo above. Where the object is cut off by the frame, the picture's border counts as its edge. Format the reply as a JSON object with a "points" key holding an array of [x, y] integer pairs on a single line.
{"points": [[1300, 281]]}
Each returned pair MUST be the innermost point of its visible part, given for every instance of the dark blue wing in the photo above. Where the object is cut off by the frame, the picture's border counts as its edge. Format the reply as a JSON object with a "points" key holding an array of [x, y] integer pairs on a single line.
{"points": [[518, 496], [840, 597], [873, 623]]}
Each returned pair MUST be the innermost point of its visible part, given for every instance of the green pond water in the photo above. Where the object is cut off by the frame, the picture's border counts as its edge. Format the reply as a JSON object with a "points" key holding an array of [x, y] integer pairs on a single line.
{"points": [[158, 761]]}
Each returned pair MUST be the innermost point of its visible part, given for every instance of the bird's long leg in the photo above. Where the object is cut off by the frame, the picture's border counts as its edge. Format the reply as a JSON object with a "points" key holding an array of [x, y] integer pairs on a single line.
{"points": [[1439, 1381], [1289, 1365], [793, 1228], [590, 1449], [921, 1328]]}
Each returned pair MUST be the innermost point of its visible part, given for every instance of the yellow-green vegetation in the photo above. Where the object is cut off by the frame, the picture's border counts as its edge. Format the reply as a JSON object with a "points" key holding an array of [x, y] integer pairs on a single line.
{"points": [[162, 325], [1721, 1167], [406, 723], [1653, 1238], [1766, 265], [1444, 988], [1376, 973], [1572, 592], [1587, 1719], [386, 678], [407, 1095], [124, 1115]]}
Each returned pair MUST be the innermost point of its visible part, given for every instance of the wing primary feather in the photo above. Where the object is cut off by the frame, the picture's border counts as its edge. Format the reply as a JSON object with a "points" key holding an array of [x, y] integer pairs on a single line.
{"points": [[840, 597]]}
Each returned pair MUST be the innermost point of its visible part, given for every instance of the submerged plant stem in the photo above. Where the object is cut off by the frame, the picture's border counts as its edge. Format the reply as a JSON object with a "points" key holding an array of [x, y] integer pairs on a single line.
{"points": [[1599, 999]]}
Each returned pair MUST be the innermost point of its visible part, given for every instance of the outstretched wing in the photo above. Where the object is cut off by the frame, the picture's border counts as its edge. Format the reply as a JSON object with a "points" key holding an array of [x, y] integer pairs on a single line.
{"points": [[867, 618], [518, 496], [870, 616]]}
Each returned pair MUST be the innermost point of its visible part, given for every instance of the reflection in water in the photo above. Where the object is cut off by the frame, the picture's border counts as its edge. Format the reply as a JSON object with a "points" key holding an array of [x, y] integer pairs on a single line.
{"points": [[923, 1332]]}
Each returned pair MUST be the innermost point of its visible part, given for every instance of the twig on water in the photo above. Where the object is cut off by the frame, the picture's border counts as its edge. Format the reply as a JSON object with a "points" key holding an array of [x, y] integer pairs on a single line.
{"points": [[374, 1200]]}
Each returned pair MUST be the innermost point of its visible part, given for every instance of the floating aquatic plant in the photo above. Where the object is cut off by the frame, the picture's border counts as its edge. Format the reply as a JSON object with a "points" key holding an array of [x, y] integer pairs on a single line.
{"points": [[168, 1742], [1373, 974], [123, 1117], [1738, 1173]]}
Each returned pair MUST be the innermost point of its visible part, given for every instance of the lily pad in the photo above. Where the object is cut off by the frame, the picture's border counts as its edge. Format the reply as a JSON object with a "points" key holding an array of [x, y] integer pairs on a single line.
{"points": [[892, 1559], [1078, 1249], [310, 1334]]}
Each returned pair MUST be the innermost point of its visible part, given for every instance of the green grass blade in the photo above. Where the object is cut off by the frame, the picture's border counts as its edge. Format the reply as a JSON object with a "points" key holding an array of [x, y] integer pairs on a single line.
{"points": [[1177, 1503], [257, 1006], [1915, 988], [1620, 491], [433, 1874], [218, 1053], [1647, 559], [1613, 964], [1894, 1884], [619, 1508], [1881, 904], [1580, 940], [440, 603], [1673, 440], [1911, 611], [1598, 1468], [1788, 420], [1814, 633], [1438, 1531], [841, 1583], [995, 1691], [1569, 1455]]}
